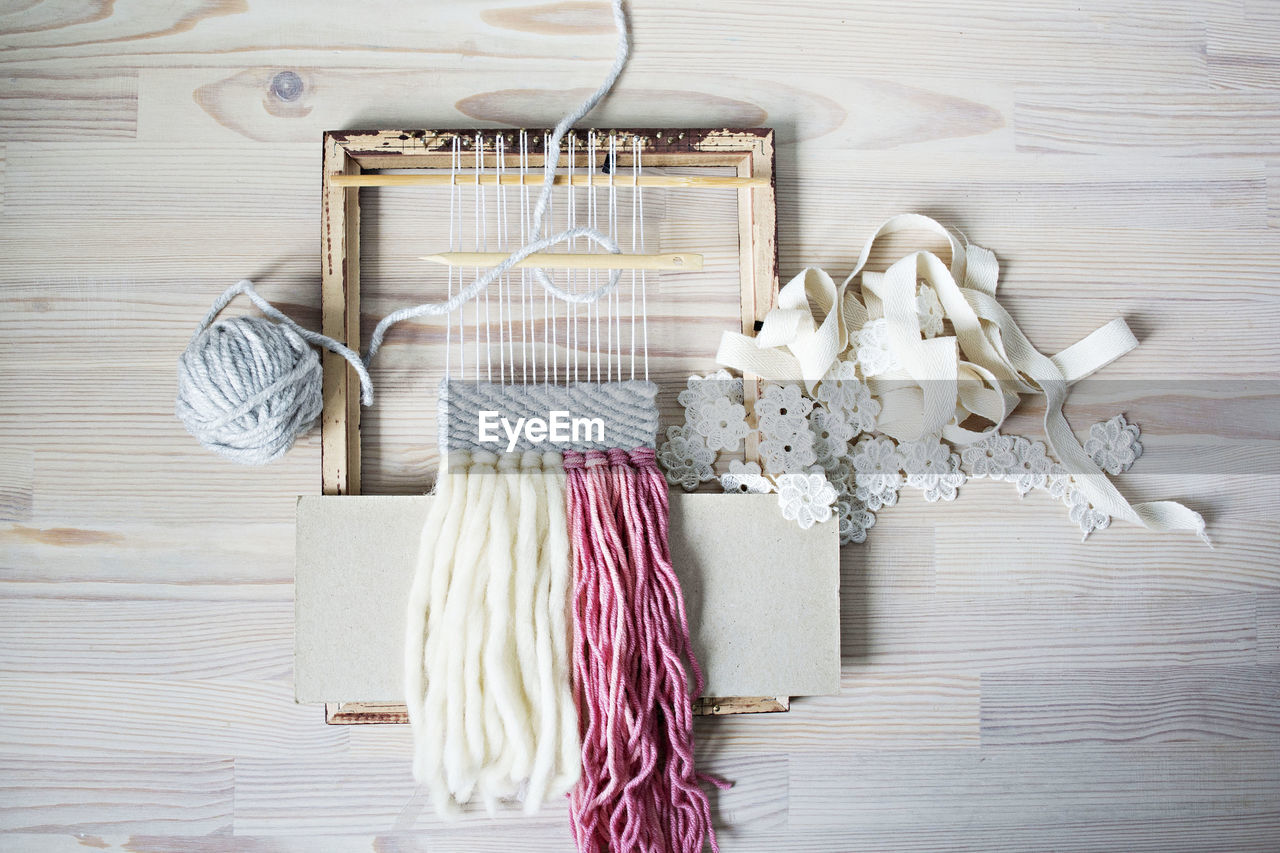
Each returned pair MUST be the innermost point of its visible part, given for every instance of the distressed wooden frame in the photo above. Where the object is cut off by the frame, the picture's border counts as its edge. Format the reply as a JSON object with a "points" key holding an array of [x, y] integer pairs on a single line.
{"points": [[749, 151]]}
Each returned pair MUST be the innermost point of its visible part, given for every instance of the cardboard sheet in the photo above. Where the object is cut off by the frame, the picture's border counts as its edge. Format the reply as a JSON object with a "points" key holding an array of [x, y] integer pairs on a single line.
{"points": [[762, 595]]}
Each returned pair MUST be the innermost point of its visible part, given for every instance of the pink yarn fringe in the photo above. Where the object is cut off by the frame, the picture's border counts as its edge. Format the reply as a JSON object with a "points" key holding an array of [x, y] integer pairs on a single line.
{"points": [[639, 789]]}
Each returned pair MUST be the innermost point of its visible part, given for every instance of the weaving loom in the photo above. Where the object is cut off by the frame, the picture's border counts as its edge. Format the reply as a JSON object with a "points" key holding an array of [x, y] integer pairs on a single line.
{"points": [[520, 349]]}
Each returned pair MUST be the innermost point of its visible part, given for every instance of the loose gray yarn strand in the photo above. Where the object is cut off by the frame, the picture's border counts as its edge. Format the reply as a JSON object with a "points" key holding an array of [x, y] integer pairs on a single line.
{"points": [[248, 387], [537, 242]]}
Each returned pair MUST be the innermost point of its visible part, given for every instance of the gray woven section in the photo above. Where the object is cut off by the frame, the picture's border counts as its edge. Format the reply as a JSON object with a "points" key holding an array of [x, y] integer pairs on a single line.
{"points": [[628, 409]]}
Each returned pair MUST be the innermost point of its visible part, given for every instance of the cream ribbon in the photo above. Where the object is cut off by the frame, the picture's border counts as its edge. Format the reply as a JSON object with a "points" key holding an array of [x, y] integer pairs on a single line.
{"points": [[942, 382]]}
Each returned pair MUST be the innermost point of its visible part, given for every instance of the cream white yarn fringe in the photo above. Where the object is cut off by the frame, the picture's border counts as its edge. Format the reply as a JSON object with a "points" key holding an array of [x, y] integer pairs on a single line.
{"points": [[486, 663], [939, 382]]}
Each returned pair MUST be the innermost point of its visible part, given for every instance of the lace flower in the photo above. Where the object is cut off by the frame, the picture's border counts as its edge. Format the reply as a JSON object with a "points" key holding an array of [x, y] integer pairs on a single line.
{"points": [[877, 472], [721, 421], [840, 474], [929, 311], [686, 459], [871, 346], [1031, 466], [932, 467], [805, 498], [1083, 513], [1059, 481], [789, 453], [745, 477], [831, 436], [844, 394], [718, 384], [855, 521], [1114, 445], [782, 409], [991, 457]]}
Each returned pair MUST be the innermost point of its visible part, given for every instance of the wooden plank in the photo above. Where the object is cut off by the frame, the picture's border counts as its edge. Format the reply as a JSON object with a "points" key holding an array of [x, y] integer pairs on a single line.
{"points": [[114, 246], [17, 470], [340, 313], [1212, 124], [1174, 704], [224, 560], [1240, 52], [237, 640], [52, 715], [1130, 565], [1043, 43], [113, 793], [40, 106], [757, 265], [882, 707], [1020, 788], [326, 795], [930, 633], [1269, 628], [1240, 833], [1273, 194]]}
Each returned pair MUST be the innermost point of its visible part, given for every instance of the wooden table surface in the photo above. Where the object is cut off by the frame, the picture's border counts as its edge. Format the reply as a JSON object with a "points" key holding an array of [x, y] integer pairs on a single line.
{"points": [[1005, 686]]}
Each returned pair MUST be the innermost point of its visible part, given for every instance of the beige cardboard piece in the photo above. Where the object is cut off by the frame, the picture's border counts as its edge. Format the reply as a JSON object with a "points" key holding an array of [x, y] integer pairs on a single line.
{"points": [[762, 595]]}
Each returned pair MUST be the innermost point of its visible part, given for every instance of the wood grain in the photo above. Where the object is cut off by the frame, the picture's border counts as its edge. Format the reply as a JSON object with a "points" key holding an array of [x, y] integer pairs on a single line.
{"points": [[1215, 125], [1134, 706], [16, 484], [1007, 689], [38, 107], [166, 794], [1031, 786], [327, 796]]}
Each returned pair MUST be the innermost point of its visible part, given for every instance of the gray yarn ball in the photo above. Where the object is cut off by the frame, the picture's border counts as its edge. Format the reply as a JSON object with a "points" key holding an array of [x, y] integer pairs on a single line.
{"points": [[247, 388]]}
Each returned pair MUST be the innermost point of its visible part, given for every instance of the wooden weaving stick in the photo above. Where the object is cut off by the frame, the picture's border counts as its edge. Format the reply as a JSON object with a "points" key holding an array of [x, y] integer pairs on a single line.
{"points": [[536, 179], [686, 261]]}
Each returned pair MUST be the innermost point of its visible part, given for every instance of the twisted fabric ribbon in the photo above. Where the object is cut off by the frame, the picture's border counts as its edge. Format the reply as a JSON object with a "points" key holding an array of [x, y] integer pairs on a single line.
{"points": [[940, 383]]}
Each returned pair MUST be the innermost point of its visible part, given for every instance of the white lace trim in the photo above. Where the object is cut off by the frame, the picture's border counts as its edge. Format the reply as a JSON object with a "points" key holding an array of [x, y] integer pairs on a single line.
{"points": [[822, 463]]}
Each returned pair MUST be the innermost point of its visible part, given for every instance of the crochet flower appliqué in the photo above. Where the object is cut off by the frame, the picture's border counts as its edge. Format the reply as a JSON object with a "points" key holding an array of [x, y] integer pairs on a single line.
{"points": [[806, 455], [932, 468], [790, 452], [782, 410], [991, 457], [877, 472], [1113, 445], [722, 422], [929, 311], [1031, 466], [805, 499], [844, 394], [831, 436], [709, 387], [855, 521], [686, 459], [1083, 513], [746, 478], [872, 347]]}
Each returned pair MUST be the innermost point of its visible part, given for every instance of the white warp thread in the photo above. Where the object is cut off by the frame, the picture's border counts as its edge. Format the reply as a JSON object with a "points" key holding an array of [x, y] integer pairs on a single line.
{"points": [[538, 243], [486, 663]]}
